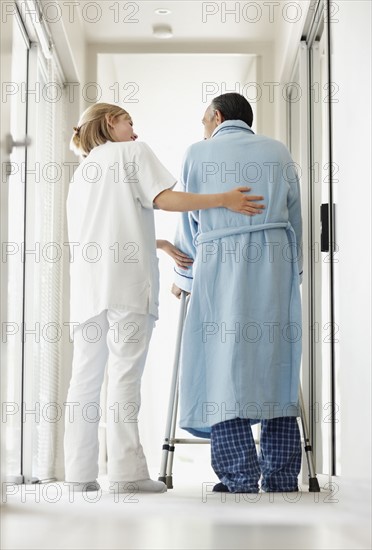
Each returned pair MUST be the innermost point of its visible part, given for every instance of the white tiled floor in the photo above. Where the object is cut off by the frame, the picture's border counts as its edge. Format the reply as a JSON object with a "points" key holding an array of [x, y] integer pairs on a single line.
{"points": [[187, 517]]}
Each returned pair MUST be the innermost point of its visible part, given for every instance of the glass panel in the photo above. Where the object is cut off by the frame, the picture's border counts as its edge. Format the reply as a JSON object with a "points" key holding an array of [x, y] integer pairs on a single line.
{"points": [[294, 118], [12, 338], [320, 173]]}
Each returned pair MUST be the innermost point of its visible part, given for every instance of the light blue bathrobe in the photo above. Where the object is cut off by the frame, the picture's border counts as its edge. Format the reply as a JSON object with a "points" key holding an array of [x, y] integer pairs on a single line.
{"points": [[241, 348]]}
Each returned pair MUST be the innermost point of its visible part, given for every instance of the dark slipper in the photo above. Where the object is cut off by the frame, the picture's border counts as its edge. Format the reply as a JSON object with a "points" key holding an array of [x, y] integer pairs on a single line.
{"points": [[220, 488]]}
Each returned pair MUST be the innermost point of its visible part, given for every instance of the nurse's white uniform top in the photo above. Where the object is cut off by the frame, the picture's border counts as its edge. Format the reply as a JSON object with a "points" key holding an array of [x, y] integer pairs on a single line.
{"points": [[111, 230]]}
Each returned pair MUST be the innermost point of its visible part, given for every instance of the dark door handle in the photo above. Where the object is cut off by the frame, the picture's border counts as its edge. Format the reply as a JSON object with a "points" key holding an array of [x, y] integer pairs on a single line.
{"points": [[324, 231]]}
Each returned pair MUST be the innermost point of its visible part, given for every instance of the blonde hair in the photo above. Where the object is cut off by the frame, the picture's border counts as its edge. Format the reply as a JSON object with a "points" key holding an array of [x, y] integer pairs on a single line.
{"points": [[93, 128]]}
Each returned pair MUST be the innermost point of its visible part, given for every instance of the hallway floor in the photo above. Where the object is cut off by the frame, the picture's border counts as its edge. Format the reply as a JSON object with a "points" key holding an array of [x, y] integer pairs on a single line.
{"points": [[187, 517]]}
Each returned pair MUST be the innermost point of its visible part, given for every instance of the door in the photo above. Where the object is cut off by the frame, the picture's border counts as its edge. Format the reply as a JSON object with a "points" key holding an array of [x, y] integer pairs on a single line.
{"points": [[309, 139], [14, 58]]}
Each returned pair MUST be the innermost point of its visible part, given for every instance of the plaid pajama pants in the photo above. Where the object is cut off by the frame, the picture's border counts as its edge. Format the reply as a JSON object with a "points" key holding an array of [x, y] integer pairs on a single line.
{"points": [[235, 459]]}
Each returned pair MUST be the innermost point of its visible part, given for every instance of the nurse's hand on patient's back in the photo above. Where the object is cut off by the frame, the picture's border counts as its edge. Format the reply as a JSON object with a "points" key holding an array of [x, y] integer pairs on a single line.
{"points": [[181, 259], [237, 201]]}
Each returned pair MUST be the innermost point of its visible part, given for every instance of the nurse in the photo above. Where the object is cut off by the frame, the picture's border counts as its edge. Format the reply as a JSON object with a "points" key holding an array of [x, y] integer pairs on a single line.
{"points": [[114, 289]]}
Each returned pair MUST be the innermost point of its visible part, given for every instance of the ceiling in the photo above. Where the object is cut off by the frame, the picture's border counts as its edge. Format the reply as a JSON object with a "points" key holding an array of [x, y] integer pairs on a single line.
{"points": [[193, 20], [236, 42]]}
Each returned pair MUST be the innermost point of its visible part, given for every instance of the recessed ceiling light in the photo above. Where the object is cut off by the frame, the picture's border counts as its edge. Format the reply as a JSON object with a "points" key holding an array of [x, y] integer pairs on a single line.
{"points": [[162, 11], [162, 31]]}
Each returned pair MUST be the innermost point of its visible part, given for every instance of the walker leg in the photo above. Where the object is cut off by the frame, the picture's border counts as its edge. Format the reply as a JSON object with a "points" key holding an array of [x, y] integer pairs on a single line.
{"points": [[313, 481], [165, 474], [169, 476], [164, 462]]}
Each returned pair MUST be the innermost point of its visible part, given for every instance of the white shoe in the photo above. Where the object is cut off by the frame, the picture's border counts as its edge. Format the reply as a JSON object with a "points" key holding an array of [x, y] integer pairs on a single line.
{"points": [[85, 486], [140, 486]]}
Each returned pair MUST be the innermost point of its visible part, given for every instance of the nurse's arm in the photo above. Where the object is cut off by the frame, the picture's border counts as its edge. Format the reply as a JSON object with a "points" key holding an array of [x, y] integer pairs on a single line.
{"points": [[235, 200]]}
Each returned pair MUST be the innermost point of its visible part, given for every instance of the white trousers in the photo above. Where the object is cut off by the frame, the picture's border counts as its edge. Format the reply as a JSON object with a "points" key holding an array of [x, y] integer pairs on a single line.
{"points": [[119, 339]]}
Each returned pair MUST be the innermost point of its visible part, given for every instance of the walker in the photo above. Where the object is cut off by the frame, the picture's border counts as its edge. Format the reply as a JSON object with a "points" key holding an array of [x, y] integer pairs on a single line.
{"points": [[166, 468]]}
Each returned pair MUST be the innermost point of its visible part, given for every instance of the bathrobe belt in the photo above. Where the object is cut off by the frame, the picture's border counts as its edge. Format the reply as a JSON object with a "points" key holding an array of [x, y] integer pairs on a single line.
{"points": [[228, 231]]}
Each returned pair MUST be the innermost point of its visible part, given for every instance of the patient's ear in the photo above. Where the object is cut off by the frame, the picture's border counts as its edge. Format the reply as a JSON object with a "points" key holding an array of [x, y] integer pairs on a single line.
{"points": [[219, 117]]}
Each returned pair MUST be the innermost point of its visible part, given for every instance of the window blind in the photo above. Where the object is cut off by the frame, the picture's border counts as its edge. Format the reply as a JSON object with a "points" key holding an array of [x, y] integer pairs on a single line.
{"points": [[48, 272]]}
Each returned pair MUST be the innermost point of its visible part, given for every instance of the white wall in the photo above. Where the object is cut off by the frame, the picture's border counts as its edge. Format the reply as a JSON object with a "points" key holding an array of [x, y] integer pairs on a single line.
{"points": [[284, 56], [351, 62], [292, 18], [66, 27]]}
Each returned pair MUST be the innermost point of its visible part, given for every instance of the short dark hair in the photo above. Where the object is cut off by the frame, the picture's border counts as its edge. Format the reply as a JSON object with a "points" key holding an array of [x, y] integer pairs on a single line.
{"points": [[233, 107]]}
